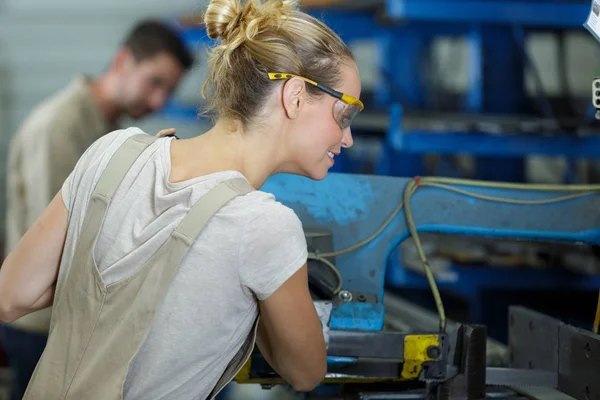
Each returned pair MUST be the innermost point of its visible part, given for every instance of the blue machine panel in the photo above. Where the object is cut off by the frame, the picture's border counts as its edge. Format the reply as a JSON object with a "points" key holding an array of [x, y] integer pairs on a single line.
{"points": [[353, 207]]}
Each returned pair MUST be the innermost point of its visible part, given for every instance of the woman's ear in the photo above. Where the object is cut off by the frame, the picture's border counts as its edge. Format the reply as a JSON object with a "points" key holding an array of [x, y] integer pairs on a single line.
{"points": [[294, 91]]}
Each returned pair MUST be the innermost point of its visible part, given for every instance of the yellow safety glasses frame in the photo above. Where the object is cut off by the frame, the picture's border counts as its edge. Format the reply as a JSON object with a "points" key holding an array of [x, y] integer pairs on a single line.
{"points": [[344, 110]]}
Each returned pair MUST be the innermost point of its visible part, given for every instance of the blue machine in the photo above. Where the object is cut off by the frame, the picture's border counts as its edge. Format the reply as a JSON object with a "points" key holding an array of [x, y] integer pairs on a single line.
{"points": [[352, 208]]}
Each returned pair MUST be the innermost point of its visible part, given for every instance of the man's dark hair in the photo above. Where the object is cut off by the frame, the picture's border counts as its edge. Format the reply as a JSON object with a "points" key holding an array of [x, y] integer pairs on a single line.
{"points": [[151, 37]]}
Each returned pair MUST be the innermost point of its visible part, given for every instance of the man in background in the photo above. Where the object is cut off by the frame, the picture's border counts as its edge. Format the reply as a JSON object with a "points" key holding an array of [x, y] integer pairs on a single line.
{"points": [[142, 74]]}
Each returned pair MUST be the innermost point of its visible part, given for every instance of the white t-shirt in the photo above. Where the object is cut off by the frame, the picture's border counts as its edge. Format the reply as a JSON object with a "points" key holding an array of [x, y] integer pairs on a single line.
{"points": [[246, 251]]}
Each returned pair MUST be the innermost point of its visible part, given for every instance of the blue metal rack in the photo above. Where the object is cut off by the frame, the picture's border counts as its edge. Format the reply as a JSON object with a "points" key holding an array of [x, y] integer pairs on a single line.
{"points": [[563, 14], [495, 31], [403, 144], [470, 283]]}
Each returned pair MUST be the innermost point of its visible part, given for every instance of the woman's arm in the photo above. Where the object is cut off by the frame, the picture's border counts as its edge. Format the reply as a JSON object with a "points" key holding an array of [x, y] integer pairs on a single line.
{"points": [[28, 274], [290, 335]]}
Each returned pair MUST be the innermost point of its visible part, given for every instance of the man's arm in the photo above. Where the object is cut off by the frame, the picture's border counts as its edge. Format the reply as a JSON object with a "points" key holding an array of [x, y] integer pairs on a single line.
{"points": [[29, 273], [290, 335]]}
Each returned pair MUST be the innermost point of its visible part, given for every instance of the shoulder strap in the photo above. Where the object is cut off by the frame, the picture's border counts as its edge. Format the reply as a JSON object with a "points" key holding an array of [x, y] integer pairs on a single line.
{"points": [[201, 212], [120, 163]]}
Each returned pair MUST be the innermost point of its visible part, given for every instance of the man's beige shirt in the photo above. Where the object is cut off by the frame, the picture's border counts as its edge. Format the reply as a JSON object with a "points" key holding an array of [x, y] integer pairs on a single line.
{"points": [[41, 156]]}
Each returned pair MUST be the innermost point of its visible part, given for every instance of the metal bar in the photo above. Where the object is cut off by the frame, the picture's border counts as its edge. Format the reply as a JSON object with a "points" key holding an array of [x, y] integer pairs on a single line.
{"points": [[362, 371], [384, 345], [521, 377], [423, 142], [392, 396], [458, 123], [566, 14]]}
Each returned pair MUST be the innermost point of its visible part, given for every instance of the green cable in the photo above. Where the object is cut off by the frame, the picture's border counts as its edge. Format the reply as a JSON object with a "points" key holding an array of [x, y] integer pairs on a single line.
{"points": [[409, 191]]}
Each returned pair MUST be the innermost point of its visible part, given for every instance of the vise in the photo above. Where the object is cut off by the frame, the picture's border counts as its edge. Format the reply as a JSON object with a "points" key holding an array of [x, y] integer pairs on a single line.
{"points": [[354, 222]]}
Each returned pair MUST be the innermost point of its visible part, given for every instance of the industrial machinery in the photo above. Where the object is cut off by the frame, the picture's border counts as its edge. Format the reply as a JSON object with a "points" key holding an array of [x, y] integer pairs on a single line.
{"points": [[352, 224]]}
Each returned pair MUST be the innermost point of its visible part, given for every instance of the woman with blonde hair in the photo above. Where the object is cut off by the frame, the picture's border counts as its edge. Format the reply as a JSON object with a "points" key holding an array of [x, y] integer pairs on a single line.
{"points": [[159, 255]]}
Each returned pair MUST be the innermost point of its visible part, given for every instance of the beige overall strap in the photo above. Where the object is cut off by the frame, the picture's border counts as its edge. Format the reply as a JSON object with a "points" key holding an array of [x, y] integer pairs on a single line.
{"points": [[107, 184], [120, 163], [199, 215]]}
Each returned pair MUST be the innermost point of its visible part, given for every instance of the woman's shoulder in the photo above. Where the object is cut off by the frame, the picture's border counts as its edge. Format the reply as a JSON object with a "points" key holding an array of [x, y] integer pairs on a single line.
{"points": [[261, 210], [108, 144], [93, 161]]}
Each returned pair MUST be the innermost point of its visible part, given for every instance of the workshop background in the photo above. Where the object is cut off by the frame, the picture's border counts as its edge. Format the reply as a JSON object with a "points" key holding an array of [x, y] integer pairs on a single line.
{"points": [[44, 44]]}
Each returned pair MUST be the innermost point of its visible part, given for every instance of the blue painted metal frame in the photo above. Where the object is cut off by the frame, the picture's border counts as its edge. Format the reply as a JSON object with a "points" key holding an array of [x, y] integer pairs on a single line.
{"points": [[495, 31], [355, 206], [567, 14], [494, 145], [403, 142], [469, 283]]}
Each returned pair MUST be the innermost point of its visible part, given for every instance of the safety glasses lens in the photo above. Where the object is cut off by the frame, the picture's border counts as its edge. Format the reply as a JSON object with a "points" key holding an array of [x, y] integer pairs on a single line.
{"points": [[345, 113]]}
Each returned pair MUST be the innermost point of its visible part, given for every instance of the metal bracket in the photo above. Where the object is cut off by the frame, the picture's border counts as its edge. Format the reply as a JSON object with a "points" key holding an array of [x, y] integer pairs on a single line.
{"points": [[538, 341], [469, 357], [533, 340], [437, 369]]}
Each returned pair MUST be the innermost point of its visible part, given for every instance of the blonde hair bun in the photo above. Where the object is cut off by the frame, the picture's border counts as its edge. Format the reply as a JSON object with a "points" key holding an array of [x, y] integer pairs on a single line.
{"points": [[260, 36], [223, 17], [220, 17]]}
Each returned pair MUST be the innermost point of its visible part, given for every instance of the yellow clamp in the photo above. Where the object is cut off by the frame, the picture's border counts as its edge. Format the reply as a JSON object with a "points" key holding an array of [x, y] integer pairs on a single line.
{"points": [[416, 353]]}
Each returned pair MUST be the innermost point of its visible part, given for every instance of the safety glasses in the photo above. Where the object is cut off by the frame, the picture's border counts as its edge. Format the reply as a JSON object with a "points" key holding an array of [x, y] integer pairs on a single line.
{"points": [[344, 110]]}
